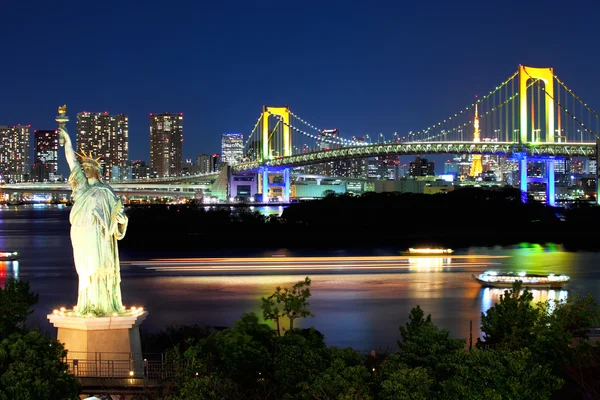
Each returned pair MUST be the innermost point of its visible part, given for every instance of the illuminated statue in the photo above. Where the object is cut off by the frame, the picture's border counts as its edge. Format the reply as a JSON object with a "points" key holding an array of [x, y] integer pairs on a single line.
{"points": [[97, 222]]}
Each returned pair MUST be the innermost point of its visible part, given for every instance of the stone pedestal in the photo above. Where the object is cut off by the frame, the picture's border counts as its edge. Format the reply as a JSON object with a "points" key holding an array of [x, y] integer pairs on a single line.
{"points": [[102, 346]]}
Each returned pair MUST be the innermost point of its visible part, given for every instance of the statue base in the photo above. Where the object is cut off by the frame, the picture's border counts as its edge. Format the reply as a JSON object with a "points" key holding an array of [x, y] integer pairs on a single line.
{"points": [[109, 346]]}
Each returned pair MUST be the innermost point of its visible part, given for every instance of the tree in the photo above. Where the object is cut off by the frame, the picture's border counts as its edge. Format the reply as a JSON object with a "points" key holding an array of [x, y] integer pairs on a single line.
{"points": [[15, 306], [407, 384], [271, 310], [291, 303], [345, 378], [426, 345], [32, 368], [501, 374], [299, 358], [244, 352], [510, 322]]}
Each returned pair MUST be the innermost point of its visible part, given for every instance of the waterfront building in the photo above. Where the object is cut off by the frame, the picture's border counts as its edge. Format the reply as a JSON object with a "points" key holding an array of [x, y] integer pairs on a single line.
{"points": [[14, 153], [421, 167], [208, 163], [139, 170], [232, 148], [166, 143], [45, 163]]}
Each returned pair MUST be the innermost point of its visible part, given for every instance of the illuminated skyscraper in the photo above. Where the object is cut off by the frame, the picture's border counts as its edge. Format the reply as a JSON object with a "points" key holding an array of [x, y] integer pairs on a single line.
{"points": [[476, 167], [208, 163], [106, 136], [420, 167], [232, 148], [14, 153], [166, 143], [45, 163]]}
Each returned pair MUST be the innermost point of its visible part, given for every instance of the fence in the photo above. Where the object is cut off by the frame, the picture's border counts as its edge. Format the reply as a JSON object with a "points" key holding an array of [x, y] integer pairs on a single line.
{"points": [[120, 365]]}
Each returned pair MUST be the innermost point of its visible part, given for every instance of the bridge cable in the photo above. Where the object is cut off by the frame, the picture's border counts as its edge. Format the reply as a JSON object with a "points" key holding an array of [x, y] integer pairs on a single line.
{"points": [[410, 134]]}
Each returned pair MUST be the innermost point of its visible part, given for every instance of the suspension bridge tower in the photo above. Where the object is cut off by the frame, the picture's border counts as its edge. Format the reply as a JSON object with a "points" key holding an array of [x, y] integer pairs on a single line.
{"points": [[533, 136], [476, 167], [273, 146]]}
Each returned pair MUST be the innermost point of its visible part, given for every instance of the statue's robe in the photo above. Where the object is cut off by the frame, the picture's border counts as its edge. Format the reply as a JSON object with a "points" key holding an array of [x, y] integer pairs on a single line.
{"points": [[97, 222]]}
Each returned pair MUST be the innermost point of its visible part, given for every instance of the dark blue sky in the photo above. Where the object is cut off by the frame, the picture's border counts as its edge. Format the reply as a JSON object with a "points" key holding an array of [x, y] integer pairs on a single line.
{"points": [[361, 66]]}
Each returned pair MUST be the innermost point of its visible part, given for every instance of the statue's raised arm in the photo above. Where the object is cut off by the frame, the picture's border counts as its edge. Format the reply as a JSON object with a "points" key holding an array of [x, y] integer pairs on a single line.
{"points": [[69, 152]]}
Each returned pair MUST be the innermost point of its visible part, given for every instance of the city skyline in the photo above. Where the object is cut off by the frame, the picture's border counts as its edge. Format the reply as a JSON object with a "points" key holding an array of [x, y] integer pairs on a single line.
{"points": [[410, 72]]}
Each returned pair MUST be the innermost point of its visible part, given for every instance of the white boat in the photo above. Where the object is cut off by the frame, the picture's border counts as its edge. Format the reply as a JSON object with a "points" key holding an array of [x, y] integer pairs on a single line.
{"points": [[507, 279], [8, 255]]}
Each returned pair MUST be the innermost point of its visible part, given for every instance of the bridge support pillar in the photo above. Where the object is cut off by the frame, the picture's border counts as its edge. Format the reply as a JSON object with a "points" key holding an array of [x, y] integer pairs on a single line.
{"points": [[265, 184], [286, 187], [523, 174], [286, 183], [550, 183]]}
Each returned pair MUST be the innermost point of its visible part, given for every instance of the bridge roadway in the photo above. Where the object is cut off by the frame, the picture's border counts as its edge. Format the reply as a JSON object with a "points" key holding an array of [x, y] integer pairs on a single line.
{"points": [[157, 187], [538, 149]]}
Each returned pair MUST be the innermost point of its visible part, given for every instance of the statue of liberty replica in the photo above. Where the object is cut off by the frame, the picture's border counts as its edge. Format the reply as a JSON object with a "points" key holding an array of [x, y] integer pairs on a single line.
{"points": [[99, 325], [97, 221]]}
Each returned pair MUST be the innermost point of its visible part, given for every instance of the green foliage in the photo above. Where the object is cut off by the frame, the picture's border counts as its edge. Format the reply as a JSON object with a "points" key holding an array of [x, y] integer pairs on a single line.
{"points": [[501, 374], [562, 324], [511, 321], [291, 303], [407, 384], [245, 351], [15, 306], [298, 359], [554, 331], [345, 378], [31, 368], [426, 345], [526, 344]]}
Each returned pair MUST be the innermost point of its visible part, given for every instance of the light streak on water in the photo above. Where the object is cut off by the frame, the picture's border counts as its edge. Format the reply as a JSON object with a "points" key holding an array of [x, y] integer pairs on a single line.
{"points": [[299, 264]]}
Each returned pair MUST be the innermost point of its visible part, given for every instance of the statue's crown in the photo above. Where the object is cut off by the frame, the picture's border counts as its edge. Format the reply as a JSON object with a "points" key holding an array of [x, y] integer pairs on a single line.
{"points": [[88, 158]]}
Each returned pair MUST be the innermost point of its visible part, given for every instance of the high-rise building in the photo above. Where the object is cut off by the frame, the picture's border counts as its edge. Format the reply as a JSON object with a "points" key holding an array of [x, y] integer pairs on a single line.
{"points": [[139, 170], [166, 143], [106, 136], [232, 148], [45, 163], [215, 161], [14, 153], [420, 167], [208, 163]]}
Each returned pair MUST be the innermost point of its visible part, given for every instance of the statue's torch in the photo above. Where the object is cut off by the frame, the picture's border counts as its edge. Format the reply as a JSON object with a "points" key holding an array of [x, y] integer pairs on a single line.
{"points": [[62, 120]]}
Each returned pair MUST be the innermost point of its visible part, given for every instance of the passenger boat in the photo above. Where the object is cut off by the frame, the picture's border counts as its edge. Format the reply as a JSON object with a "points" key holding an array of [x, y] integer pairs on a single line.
{"points": [[427, 252], [506, 280], [8, 255]]}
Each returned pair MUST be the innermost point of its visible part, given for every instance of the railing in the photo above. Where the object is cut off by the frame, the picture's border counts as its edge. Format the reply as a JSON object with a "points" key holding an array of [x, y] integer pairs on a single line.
{"points": [[128, 366]]}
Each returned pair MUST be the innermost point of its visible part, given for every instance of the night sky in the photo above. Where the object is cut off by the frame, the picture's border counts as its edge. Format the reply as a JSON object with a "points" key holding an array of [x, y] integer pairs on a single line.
{"points": [[363, 67]]}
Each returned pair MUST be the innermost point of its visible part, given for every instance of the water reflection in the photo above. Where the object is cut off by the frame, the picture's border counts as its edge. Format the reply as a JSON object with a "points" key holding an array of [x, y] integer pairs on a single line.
{"points": [[8, 269], [428, 264], [490, 296]]}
